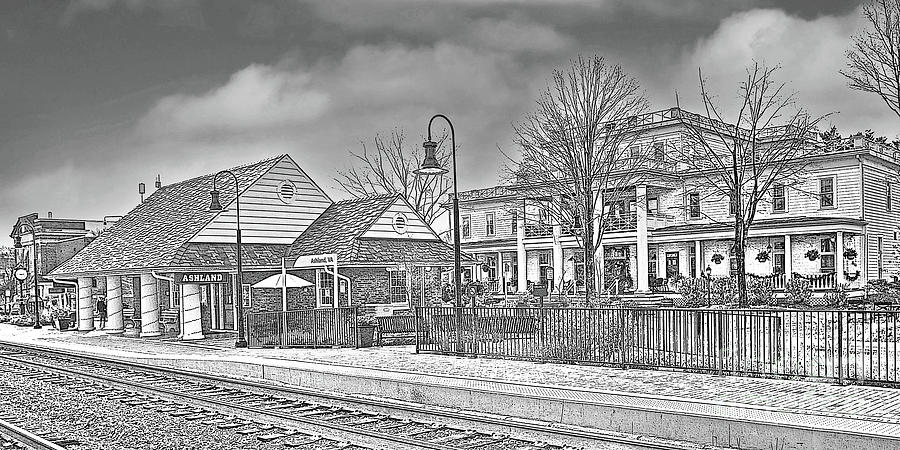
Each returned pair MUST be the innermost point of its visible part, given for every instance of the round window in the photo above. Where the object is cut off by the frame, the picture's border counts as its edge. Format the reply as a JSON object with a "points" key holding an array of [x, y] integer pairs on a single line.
{"points": [[286, 191], [400, 223]]}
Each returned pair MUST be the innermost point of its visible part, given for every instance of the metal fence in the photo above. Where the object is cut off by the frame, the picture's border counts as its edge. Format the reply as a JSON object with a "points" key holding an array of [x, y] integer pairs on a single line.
{"points": [[326, 327], [841, 345]]}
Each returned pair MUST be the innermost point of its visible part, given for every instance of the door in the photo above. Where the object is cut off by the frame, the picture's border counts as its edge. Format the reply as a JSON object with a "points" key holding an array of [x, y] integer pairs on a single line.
{"points": [[672, 269]]}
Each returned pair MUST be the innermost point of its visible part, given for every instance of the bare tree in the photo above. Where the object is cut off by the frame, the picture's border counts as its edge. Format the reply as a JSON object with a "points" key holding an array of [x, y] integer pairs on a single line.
{"points": [[767, 146], [873, 64], [389, 169], [573, 150]]}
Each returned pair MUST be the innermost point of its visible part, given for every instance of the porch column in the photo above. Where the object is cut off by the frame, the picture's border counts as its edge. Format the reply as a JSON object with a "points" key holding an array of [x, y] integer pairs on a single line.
{"points": [[643, 282], [557, 256], [190, 302], [788, 258], [149, 307], [501, 274], [521, 256], [698, 259], [601, 269], [85, 305], [115, 323], [839, 258]]}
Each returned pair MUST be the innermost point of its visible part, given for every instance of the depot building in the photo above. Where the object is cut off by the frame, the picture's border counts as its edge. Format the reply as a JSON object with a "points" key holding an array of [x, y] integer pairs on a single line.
{"points": [[170, 265]]}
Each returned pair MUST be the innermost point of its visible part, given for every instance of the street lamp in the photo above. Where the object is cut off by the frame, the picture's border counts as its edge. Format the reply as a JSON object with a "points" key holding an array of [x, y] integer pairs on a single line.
{"points": [[18, 244], [431, 166], [708, 286], [216, 206]]}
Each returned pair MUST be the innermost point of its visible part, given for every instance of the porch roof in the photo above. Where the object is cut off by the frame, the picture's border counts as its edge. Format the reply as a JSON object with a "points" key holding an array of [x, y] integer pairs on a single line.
{"points": [[800, 224]]}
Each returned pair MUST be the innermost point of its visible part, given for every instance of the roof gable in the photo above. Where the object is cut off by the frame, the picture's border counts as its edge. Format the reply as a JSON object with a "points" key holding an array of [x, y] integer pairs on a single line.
{"points": [[150, 235], [268, 214], [399, 221]]}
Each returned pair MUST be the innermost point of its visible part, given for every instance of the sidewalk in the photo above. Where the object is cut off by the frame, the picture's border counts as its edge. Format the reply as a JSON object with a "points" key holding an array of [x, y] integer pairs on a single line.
{"points": [[702, 402]]}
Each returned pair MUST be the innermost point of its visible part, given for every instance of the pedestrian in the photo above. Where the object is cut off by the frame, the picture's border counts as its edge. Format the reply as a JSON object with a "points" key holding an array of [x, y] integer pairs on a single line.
{"points": [[101, 310]]}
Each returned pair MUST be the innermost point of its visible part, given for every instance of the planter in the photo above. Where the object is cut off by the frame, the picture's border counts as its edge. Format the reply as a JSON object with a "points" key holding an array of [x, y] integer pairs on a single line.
{"points": [[64, 323], [366, 335]]}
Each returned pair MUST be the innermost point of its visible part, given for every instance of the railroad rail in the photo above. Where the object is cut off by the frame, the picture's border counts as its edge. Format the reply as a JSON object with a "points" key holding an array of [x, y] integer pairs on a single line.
{"points": [[327, 420], [14, 436]]}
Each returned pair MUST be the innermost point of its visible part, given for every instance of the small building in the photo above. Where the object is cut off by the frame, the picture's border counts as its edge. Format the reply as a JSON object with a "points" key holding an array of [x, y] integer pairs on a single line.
{"points": [[181, 257]]}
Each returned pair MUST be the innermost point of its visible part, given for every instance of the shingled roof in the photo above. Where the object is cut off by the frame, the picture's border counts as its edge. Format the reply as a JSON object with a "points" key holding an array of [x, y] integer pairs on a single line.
{"points": [[339, 229], [152, 235]]}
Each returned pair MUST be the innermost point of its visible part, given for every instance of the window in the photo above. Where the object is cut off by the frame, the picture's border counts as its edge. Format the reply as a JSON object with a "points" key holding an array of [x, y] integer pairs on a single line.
{"points": [[246, 295], [778, 258], [779, 202], [286, 191], [659, 151], [515, 222], [465, 226], [890, 199], [692, 260], [826, 192], [731, 206], [544, 265], [635, 151], [880, 258], [398, 286], [826, 254], [578, 264], [652, 262], [653, 205], [694, 205], [492, 267], [489, 224]]}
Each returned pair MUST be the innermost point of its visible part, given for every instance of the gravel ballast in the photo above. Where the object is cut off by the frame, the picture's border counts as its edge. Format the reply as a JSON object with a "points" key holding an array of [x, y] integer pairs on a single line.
{"points": [[103, 424]]}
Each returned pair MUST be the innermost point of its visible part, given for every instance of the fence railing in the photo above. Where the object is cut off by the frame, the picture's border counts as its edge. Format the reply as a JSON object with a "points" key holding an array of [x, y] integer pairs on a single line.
{"points": [[841, 345], [326, 327]]}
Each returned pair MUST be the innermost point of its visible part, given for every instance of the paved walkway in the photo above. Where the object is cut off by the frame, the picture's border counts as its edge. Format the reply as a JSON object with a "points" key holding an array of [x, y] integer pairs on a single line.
{"points": [[862, 409]]}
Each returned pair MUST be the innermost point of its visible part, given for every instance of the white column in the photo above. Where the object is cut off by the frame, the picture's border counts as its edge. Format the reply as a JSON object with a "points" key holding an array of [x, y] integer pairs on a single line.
{"points": [[115, 323], [149, 307], [839, 258], [601, 268], [85, 305], [788, 258], [643, 282], [190, 301], [698, 260], [521, 255], [501, 274], [557, 256]]}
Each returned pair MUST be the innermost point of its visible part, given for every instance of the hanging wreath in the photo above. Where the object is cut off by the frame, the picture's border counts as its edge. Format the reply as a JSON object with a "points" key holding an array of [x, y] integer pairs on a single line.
{"points": [[850, 254], [812, 255], [851, 276], [762, 256], [717, 258]]}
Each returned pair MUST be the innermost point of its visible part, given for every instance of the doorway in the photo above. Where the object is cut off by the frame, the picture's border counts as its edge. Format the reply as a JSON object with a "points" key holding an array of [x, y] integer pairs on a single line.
{"points": [[672, 268], [221, 305]]}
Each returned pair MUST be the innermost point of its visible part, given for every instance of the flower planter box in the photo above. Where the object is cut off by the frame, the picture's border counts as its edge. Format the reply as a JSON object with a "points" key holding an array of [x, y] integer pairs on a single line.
{"points": [[64, 323], [366, 336]]}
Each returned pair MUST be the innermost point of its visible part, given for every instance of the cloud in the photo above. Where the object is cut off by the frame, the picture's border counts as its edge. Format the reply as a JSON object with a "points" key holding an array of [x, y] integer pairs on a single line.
{"points": [[254, 98], [810, 53], [172, 12]]}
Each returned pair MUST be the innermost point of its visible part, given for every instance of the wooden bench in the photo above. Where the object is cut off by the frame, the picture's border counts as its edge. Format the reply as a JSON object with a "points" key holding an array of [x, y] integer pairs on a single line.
{"points": [[168, 320], [397, 326]]}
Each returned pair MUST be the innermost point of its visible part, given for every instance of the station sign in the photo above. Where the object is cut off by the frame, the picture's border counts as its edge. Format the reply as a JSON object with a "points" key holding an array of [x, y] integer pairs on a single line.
{"points": [[56, 290], [21, 274], [202, 278], [539, 290], [328, 259]]}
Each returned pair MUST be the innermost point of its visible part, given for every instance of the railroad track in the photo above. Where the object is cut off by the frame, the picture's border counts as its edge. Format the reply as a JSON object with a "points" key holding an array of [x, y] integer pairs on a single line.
{"points": [[318, 420], [16, 435]]}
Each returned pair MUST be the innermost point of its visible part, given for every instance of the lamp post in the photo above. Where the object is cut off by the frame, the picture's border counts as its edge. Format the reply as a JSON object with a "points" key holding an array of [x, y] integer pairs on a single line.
{"points": [[216, 206], [708, 286], [18, 244], [431, 166]]}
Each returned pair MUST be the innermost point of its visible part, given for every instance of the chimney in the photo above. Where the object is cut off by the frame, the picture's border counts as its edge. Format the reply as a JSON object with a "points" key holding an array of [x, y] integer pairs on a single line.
{"points": [[141, 190], [158, 183], [49, 214]]}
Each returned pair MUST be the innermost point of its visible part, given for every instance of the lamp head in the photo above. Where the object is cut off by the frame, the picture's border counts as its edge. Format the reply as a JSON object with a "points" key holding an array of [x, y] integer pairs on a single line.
{"points": [[708, 271], [17, 242], [214, 204], [430, 165]]}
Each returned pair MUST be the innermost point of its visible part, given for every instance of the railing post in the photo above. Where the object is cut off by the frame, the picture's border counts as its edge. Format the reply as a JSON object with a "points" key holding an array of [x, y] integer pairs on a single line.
{"points": [[474, 335], [416, 321], [284, 331], [355, 318], [840, 348], [622, 335]]}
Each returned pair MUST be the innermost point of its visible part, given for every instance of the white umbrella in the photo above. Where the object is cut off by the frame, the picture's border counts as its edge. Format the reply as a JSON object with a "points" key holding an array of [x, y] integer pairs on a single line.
{"points": [[280, 280]]}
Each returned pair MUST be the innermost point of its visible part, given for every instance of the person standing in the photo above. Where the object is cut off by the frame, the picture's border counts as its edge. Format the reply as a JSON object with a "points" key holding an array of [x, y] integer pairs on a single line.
{"points": [[101, 311]]}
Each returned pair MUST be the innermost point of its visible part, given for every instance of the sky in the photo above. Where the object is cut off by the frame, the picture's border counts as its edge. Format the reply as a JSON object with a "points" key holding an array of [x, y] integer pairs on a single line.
{"points": [[99, 95]]}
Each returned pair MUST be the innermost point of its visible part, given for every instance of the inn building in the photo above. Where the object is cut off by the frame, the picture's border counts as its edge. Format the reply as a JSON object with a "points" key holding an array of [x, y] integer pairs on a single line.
{"points": [[839, 226], [178, 259]]}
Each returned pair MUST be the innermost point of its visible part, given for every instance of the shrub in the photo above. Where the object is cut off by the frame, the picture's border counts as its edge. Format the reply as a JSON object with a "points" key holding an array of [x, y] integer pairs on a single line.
{"points": [[881, 291], [724, 291], [799, 291], [693, 292], [760, 291], [837, 298]]}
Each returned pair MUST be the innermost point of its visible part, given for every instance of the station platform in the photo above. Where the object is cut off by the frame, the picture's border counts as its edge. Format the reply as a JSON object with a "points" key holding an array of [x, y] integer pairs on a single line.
{"points": [[728, 411]]}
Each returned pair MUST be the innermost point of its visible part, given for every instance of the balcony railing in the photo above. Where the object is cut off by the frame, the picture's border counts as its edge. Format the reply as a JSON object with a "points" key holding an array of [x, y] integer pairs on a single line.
{"points": [[623, 222], [655, 221], [538, 230]]}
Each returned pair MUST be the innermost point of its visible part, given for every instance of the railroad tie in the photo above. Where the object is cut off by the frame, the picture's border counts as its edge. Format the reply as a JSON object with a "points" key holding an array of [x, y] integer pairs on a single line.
{"points": [[274, 436], [303, 442]]}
